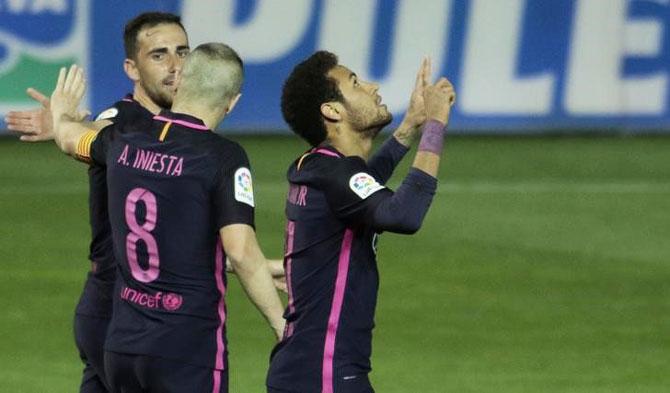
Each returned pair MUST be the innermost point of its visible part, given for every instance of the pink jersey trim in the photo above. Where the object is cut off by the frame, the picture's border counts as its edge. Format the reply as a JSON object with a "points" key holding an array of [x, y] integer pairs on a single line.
{"points": [[326, 152], [217, 381], [335, 310], [219, 363], [182, 123], [127, 100], [290, 233]]}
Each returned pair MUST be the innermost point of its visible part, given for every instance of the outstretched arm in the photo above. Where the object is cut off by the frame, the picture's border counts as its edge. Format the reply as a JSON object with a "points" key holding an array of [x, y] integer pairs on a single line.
{"points": [[388, 156], [64, 103], [241, 247], [404, 211], [35, 125]]}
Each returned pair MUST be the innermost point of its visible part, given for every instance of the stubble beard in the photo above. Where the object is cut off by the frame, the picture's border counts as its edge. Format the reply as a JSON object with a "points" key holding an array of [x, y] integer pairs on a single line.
{"points": [[368, 124], [159, 96]]}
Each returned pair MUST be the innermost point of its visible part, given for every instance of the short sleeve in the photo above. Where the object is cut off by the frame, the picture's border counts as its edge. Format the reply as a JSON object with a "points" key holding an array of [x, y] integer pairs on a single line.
{"points": [[233, 189], [92, 146], [352, 191], [123, 112]]}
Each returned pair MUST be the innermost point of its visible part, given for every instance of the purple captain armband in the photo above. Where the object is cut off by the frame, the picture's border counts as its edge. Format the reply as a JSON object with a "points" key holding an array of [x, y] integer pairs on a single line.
{"points": [[432, 137]]}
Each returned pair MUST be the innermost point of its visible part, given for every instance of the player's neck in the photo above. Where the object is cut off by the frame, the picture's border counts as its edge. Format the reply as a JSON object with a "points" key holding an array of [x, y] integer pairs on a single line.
{"points": [[350, 142], [210, 119]]}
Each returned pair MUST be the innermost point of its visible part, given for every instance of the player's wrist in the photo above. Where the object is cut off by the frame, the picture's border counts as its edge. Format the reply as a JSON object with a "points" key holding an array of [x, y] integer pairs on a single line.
{"points": [[406, 132], [432, 137]]}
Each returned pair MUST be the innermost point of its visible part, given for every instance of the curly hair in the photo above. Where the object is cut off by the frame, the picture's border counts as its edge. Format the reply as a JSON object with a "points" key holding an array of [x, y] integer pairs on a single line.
{"points": [[306, 89], [145, 21]]}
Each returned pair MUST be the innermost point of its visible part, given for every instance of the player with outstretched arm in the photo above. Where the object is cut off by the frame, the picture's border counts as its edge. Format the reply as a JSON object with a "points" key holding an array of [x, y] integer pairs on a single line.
{"points": [[155, 46], [180, 202]]}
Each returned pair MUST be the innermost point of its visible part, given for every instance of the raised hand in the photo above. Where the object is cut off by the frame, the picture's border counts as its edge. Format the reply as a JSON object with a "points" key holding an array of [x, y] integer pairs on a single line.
{"points": [[416, 111], [439, 99], [67, 95], [34, 125]]}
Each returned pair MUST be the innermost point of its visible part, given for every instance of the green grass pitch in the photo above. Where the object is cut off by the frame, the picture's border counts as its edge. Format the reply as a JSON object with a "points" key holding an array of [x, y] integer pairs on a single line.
{"points": [[543, 266]]}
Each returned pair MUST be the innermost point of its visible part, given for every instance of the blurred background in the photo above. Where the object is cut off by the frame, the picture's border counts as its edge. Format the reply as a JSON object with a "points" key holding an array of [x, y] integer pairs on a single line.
{"points": [[519, 65], [544, 262]]}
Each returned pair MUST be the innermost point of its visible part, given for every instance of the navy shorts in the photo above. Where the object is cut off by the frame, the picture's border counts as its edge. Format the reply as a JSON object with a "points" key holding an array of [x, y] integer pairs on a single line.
{"points": [[89, 335], [128, 373]]}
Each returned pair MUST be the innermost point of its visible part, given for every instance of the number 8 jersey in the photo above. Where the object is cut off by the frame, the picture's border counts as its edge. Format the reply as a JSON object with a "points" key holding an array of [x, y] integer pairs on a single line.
{"points": [[172, 185]]}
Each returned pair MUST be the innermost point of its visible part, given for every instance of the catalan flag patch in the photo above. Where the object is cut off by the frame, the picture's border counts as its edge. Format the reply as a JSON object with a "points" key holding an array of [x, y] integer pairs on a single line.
{"points": [[84, 145]]}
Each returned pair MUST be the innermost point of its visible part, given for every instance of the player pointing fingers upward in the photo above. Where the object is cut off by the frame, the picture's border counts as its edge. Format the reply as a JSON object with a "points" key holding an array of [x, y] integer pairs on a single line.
{"points": [[336, 208]]}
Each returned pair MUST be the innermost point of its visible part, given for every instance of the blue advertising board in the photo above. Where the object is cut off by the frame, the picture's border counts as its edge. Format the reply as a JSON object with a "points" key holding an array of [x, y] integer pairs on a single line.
{"points": [[518, 65]]}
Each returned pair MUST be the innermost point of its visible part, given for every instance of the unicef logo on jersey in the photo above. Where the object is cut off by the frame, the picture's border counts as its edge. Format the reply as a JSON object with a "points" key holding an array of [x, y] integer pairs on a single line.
{"points": [[172, 301], [37, 37]]}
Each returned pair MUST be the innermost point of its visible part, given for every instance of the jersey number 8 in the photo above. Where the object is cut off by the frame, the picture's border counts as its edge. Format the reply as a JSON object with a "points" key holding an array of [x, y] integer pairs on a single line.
{"points": [[142, 232]]}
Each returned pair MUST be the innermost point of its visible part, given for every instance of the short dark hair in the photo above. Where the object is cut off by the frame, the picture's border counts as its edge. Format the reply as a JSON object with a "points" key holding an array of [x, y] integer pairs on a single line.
{"points": [[305, 90], [144, 21]]}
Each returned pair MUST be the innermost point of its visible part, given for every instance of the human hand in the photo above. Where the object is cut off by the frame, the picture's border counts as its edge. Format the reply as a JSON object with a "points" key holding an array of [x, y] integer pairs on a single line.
{"points": [[67, 95], [439, 98], [280, 283], [33, 125], [416, 111], [276, 267]]}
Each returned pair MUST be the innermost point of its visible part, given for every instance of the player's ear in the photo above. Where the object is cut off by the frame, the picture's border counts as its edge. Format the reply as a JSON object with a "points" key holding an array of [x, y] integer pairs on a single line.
{"points": [[131, 70], [233, 102], [331, 111]]}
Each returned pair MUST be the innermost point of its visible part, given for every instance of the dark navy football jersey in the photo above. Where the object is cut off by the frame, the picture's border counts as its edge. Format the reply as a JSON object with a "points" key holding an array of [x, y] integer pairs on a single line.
{"points": [[96, 299], [331, 270], [172, 185]]}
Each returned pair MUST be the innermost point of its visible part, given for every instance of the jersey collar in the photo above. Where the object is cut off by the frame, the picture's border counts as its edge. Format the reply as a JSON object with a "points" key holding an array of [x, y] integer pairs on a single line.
{"points": [[182, 119], [129, 98], [327, 150]]}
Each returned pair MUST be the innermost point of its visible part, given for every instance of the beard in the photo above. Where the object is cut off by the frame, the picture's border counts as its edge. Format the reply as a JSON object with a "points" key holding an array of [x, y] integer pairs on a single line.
{"points": [[367, 121], [160, 97]]}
